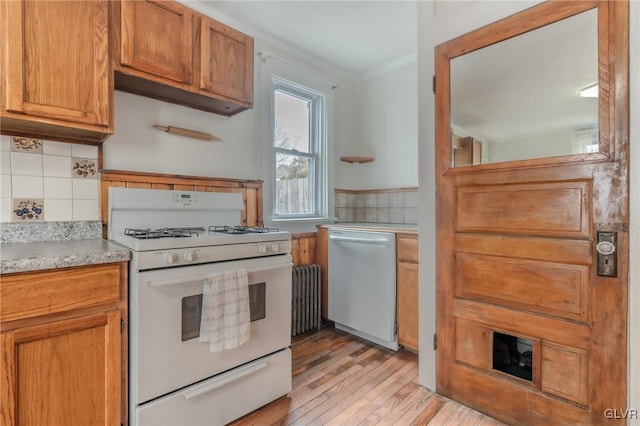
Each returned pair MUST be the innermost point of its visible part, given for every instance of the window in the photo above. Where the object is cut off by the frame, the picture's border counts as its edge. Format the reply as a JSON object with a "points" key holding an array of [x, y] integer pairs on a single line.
{"points": [[299, 139]]}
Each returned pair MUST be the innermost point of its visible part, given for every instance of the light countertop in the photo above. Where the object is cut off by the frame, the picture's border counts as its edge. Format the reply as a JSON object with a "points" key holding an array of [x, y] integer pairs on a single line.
{"points": [[36, 256], [401, 228]]}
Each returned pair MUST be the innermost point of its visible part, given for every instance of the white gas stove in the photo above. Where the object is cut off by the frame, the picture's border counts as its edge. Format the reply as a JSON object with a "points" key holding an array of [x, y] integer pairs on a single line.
{"points": [[178, 239]]}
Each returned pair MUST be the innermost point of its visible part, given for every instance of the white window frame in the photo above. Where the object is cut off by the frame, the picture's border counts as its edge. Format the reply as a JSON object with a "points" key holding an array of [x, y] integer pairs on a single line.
{"points": [[317, 147]]}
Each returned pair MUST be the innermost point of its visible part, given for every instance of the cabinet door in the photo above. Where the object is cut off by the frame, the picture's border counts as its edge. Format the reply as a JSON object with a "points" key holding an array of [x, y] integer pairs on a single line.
{"points": [[156, 38], [64, 372], [408, 305], [226, 57], [56, 60]]}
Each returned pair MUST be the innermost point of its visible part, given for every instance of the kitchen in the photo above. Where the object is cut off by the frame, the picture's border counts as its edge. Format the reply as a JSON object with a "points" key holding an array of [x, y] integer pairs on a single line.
{"points": [[137, 146]]}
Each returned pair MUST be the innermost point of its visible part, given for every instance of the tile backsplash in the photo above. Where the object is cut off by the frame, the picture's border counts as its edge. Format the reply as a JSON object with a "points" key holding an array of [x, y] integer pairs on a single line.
{"points": [[383, 206], [48, 181]]}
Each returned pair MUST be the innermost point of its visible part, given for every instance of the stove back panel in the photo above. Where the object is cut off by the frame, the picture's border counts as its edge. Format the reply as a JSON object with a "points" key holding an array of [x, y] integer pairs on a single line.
{"points": [[154, 208]]}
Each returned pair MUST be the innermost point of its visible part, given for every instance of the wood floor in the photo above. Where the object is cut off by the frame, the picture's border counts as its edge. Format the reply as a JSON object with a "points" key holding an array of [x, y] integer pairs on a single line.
{"points": [[339, 379]]}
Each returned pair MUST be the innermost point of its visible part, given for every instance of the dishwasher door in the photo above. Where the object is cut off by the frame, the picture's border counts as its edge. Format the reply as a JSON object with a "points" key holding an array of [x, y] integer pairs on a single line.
{"points": [[362, 284]]}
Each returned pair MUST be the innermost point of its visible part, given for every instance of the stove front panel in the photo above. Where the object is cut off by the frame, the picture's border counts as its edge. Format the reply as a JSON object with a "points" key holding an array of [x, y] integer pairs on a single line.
{"points": [[165, 352]]}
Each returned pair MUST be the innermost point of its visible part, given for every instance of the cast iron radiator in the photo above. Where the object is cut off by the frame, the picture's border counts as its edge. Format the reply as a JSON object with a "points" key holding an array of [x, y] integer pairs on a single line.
{"points": [[305, 299]]}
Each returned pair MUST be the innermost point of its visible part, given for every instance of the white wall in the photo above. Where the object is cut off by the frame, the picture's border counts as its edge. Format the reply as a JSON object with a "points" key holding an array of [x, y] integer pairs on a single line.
{"points": [[446, 20], [136, 145], [534, 146], [384, 124], [243, 152]]}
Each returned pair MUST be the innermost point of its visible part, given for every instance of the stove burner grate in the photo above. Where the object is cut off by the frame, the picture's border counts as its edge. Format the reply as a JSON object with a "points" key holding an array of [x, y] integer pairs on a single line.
{"points": [[144, 234], [241, 229]]}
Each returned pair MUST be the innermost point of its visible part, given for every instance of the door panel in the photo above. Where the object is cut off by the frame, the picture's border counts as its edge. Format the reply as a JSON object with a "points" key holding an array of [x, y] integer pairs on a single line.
{"points": [[57, 61], [551, 208], [157, 38], [516, 258]]}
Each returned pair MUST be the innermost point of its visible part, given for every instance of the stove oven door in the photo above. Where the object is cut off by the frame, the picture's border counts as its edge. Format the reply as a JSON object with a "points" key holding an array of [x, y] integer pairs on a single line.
{"points": [[165, 320]]}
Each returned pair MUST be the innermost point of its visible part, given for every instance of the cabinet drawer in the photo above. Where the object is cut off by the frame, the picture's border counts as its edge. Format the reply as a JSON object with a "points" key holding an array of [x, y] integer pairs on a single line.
{"points": [[408, 248], [28, 295]]}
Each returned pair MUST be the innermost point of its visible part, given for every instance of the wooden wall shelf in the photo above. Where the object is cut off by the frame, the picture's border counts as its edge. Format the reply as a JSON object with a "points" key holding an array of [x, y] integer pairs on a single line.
{"points": [[359, 160]]}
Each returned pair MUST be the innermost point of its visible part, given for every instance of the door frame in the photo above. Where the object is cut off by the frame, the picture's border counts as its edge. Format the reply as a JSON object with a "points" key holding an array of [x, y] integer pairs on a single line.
{"points": [[616, 150]]}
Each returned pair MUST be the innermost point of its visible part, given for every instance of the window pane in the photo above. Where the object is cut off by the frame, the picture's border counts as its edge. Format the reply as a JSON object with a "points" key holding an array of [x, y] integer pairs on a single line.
{"points": [[293, 184], [291, 122]]}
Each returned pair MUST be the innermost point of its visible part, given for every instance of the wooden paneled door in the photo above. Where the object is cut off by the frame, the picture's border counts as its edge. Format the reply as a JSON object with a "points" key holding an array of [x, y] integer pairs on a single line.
{"points": [[527, 330]]}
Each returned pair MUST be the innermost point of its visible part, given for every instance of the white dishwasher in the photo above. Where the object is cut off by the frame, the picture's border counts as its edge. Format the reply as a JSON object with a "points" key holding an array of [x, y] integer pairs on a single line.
{"points": [[362, 284]]}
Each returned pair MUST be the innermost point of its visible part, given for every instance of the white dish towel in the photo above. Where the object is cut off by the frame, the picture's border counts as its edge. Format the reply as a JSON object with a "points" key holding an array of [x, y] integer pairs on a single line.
{"points": [[226, 319]]}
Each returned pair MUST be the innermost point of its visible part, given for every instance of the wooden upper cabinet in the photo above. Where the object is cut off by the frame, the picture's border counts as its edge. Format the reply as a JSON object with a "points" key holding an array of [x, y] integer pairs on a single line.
{"points": [[164, 50], [156, 38], [226, 61], [56, 80]]}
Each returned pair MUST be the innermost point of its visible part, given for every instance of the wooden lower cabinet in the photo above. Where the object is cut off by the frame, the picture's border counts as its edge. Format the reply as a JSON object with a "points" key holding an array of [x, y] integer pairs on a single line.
{"points": [[407, 290], [65, 367]]}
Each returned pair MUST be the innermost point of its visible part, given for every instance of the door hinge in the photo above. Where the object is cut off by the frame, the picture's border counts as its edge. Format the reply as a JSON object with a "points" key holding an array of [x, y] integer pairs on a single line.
{"points": [[395, 328], [121, 325], [434, 84], [435, 342]]}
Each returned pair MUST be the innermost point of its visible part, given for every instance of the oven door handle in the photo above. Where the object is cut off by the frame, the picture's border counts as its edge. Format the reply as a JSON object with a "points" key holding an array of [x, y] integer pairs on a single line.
{"points": [[183, 280], [218, 382]]}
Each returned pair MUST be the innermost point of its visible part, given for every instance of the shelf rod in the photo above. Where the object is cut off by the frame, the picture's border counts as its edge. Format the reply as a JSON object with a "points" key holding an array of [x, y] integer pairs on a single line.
{"points": [[187, 132]]}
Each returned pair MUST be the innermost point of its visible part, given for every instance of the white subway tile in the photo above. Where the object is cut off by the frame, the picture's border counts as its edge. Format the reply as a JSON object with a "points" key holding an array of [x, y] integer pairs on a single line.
{"points": [[58, 210], [27, 186], [396, 200], [384, 215], [341, 199], [5, 162], [86, 210], [370, 200], [25, 164], [60, 188], [5, 186], [396, 215], [57, 166], [370, 215], [5, 209], [85, 189], [411, 215], [342, 214], [5, 143], [84, 151], [57, 148], [383, 199]]}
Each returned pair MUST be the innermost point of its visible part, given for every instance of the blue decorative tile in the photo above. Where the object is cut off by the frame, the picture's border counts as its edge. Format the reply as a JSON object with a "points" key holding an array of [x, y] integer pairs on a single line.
{"points": [[28, 210]]}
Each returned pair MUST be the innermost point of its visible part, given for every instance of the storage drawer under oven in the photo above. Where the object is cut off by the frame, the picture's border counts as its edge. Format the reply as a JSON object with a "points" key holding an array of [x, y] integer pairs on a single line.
{"points": [[222, 398]]}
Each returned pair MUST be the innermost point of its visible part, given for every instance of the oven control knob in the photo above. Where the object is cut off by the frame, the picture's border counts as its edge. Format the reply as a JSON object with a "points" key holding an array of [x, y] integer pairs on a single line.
{"points": [[275, 247], [190, 256], [262, 248], [170, 258]]}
